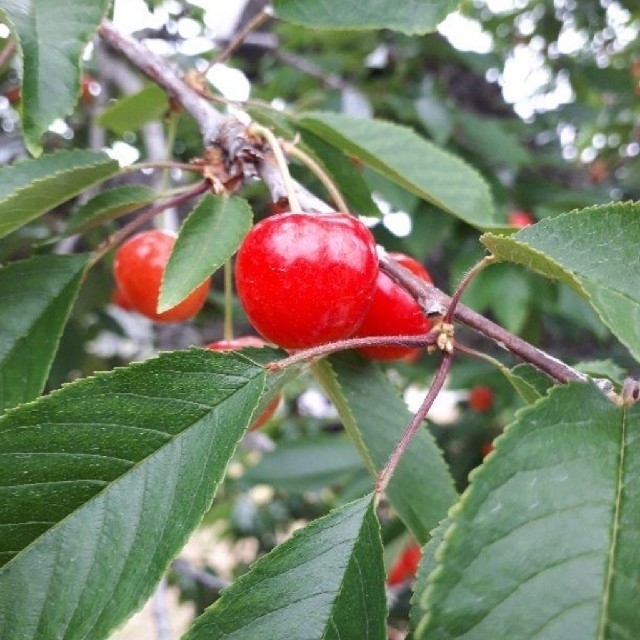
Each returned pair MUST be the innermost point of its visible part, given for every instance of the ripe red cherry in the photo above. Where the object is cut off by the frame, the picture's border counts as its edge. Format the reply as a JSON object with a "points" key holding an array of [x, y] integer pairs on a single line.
{"points": [[394, 312], [520, 219], [405, 567], [120, 300], [239, 343], [138, 268], [306, 279], [481, 398]]}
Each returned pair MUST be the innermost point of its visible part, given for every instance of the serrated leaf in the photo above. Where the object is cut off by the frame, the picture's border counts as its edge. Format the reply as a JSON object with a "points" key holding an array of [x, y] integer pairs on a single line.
{"points": [[402, 156], [544, 541], [427, 564], [102, 481], [606, 368], [327, 581], [108, 205], [36, 296], [33, 187], [309, 464], [51, 42], [208, 237], [421, 489], [595, 251], [410, 17], [132, 112]]}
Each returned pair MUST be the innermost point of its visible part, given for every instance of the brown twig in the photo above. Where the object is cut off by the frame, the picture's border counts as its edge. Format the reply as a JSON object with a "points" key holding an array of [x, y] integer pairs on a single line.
{"points": [[7, 52]]}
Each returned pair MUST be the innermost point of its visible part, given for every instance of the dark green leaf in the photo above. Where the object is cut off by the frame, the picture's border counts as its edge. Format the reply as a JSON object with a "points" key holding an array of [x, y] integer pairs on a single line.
{"points": [[102, 482], [132, 112], [528, 382], [33, 187], [402, 156], [595, 251], [544, 542], [421, 490], [345, 175], [36, 296], [410, 16], [310, 464], [108, 205], [208, 237], [327, 581], [51, 40]]}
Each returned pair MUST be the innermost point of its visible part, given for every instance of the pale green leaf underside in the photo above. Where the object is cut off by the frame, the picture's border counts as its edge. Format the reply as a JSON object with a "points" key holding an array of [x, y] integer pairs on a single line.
{"points": [[402, 156], [208, 237], [33, 187], [110, 204], [595, 251], [51, 38], [102, 482], [132, 112], [36, 296], [421, 489], [327, 581], [543, 544], [409, 16]]}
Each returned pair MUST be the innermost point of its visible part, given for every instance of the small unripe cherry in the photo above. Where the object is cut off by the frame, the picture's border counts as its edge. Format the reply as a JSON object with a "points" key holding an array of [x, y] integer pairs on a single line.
{"points": [[138, 268], [480, 398], [306, 279], [239, 343], [394, 312]]}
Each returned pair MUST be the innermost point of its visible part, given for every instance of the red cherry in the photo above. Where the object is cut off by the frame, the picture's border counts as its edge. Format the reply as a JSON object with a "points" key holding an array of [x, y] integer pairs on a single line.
{"points": [[138, 268], [480, 398], [520, 219], [405, 567], [306, 279], [394, 312], [239, 343], [487, 448]]}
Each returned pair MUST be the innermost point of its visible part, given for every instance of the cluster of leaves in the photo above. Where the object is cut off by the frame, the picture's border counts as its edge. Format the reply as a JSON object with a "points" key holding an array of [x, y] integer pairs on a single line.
{"points": [[105, 478]]}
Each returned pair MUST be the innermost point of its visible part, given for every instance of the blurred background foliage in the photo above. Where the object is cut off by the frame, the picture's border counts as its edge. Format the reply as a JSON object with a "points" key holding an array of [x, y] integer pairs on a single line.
{"points": [[542, 97]]}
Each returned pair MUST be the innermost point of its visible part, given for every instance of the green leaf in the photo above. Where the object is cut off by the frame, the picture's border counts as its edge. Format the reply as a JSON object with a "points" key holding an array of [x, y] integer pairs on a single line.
{"points": [[208, 237], [36, 296], [595, 251], [51, 40], [110, 204], [543, 543], [132, 112], [404, 157], [421, 489], [305, 465], [427, 564], [327, 581], [410, 17], [606, 368], [530, 384], [102, 481], [33, 187]]}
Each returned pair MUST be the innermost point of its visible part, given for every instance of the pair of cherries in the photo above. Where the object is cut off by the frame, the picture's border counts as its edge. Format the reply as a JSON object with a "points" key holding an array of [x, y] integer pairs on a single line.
{"points": [[303, 280]]}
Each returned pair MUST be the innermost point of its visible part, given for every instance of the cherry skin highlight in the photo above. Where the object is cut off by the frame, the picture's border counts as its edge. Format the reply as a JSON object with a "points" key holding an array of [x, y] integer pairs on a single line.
{"points": [[394, 312], [520, 219], [306, 279], [138, 267], [239, 343]]}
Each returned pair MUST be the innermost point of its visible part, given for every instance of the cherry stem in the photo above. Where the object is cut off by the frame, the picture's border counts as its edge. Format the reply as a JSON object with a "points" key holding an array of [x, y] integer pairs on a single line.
{"points": [[416, 422], [293, 150], [257, 21], [464, 283], [228, 301], [7, 52], [417, 341], [281, 161], [163, 164], [143, 218]]}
